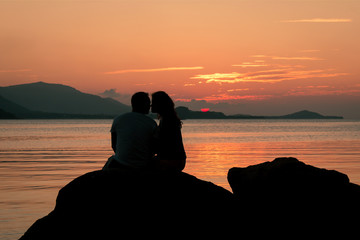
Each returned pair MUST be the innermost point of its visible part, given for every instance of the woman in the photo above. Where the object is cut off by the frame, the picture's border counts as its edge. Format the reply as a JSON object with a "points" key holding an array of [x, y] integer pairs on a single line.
{"points": [[170, 149]]}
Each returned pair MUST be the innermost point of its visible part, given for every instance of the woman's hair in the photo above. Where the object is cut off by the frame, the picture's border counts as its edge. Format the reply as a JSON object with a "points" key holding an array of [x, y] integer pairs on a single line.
{"points": [[165, 107]]}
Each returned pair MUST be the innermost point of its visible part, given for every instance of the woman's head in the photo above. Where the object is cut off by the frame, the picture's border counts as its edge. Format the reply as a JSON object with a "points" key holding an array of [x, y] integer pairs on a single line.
{"points": [[162, 103]]}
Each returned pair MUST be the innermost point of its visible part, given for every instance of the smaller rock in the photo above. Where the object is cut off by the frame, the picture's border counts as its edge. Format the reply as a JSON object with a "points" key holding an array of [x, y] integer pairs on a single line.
{"points": [[288, 186]]}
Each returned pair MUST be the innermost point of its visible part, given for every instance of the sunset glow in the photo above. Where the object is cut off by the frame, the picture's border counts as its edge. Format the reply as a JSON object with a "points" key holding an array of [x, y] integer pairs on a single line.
{"points": [[236, 56]]}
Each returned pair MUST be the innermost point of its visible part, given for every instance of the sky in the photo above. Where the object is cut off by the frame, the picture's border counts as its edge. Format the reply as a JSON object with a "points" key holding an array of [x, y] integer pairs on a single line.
{"points": [[236, 56]]}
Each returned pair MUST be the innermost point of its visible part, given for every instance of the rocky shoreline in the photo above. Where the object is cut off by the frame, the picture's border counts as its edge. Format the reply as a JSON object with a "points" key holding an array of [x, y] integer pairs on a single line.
{"points": [[112, 203]]}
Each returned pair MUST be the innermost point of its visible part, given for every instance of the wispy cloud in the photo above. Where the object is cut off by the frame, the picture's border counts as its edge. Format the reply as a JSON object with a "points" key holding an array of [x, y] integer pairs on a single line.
{"points": [[15, 70], [261, 63], [259, 56], [153, 70], [267, 76], [249, 64], [319, 20], [238, 90], [318, 91], [227, 97], [298, 58], [220, 77]]}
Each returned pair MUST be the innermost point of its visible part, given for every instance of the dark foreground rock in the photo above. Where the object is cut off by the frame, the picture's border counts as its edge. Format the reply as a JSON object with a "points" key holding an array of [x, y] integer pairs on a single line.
{"points": [[294, 192], [118, 203], [284, 198]]}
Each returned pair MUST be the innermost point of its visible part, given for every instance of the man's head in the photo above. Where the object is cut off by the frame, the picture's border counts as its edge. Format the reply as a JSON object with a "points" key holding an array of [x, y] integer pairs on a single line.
{"points": [[140, 102]]}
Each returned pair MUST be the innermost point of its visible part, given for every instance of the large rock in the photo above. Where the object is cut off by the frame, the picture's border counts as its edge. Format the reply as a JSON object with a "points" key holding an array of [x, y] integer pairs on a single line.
{"points": [[113, 203], [270, 199], [291, 189]]}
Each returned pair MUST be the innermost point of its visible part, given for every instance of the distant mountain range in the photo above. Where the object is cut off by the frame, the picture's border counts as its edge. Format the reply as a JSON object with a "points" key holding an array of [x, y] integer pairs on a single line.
{"points": [[185, 113], [55, 101], [44, 100]]}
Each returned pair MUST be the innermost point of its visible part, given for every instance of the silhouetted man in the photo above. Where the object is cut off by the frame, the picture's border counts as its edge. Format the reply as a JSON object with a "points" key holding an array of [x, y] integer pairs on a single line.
{"points": [[132, 135]]}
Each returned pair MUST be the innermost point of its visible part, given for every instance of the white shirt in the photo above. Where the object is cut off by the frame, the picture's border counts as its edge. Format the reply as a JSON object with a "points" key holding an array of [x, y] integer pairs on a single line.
{"points": [[135, 136]]}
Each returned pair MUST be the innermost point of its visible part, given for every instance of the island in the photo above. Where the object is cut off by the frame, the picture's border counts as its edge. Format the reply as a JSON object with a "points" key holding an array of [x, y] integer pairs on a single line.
{"points": [[186, 113]]}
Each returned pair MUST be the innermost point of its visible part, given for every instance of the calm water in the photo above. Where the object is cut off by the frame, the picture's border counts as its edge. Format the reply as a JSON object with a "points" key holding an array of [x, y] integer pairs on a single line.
{"points": [[38, 157]]}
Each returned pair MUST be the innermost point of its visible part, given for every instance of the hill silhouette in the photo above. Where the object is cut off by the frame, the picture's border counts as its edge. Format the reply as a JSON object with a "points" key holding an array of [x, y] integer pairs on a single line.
{"points": [[304, 114], [186, 113], [7, 115], [11, 107], [57, 98], [55, 101], [308, 115], [11, 110]]}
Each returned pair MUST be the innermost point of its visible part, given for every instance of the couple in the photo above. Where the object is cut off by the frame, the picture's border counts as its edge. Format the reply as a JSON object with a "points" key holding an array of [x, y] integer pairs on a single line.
{"points": [[139, 143]]}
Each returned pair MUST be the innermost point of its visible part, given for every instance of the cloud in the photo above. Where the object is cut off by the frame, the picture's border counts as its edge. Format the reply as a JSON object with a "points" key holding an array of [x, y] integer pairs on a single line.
{"points": [[15, 71], [298, 58], [247, 64], [268, 76], [322, 92], [112, 93], [259, 56], [319, 20], [153, 70], [312, 87], [220, 77], [302, 58], [238, 90], [226, 97]]}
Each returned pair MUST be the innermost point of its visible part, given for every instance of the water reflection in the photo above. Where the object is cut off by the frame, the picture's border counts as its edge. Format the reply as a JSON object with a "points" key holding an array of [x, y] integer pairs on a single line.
{"points": [[37, 158], [211, 161]]}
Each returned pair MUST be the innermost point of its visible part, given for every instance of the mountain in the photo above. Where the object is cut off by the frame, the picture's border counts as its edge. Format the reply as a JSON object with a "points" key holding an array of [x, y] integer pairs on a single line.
{"points": [[305, 114], [59, 99], [186, 113], [11, 110], [7, 115], [11, 107], [308, 115], [56, 101]]}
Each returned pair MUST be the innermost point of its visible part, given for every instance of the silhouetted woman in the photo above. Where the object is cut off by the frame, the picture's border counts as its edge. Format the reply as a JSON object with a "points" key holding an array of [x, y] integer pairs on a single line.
{"points": [[170, 149]]}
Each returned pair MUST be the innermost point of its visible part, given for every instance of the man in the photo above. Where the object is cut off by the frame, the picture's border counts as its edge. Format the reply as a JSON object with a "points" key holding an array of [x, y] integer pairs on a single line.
{"points": [[132, 135]]}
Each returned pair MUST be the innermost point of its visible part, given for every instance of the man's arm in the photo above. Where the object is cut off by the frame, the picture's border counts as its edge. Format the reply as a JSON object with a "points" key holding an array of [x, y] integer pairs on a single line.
{"points": [[113, 141]]}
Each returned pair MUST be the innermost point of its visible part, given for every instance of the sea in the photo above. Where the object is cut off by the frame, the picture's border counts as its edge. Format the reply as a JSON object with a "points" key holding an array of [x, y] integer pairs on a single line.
{"points": [[39, 157]]}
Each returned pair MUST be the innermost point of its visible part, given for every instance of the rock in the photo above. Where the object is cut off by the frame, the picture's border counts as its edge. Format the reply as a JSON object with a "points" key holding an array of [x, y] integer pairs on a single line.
{"points": [[275, 198], [113, 203], [292, 190]]}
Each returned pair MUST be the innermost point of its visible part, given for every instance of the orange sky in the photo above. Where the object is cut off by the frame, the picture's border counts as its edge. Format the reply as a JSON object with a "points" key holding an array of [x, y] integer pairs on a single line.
{"points": [[238, 51]]}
